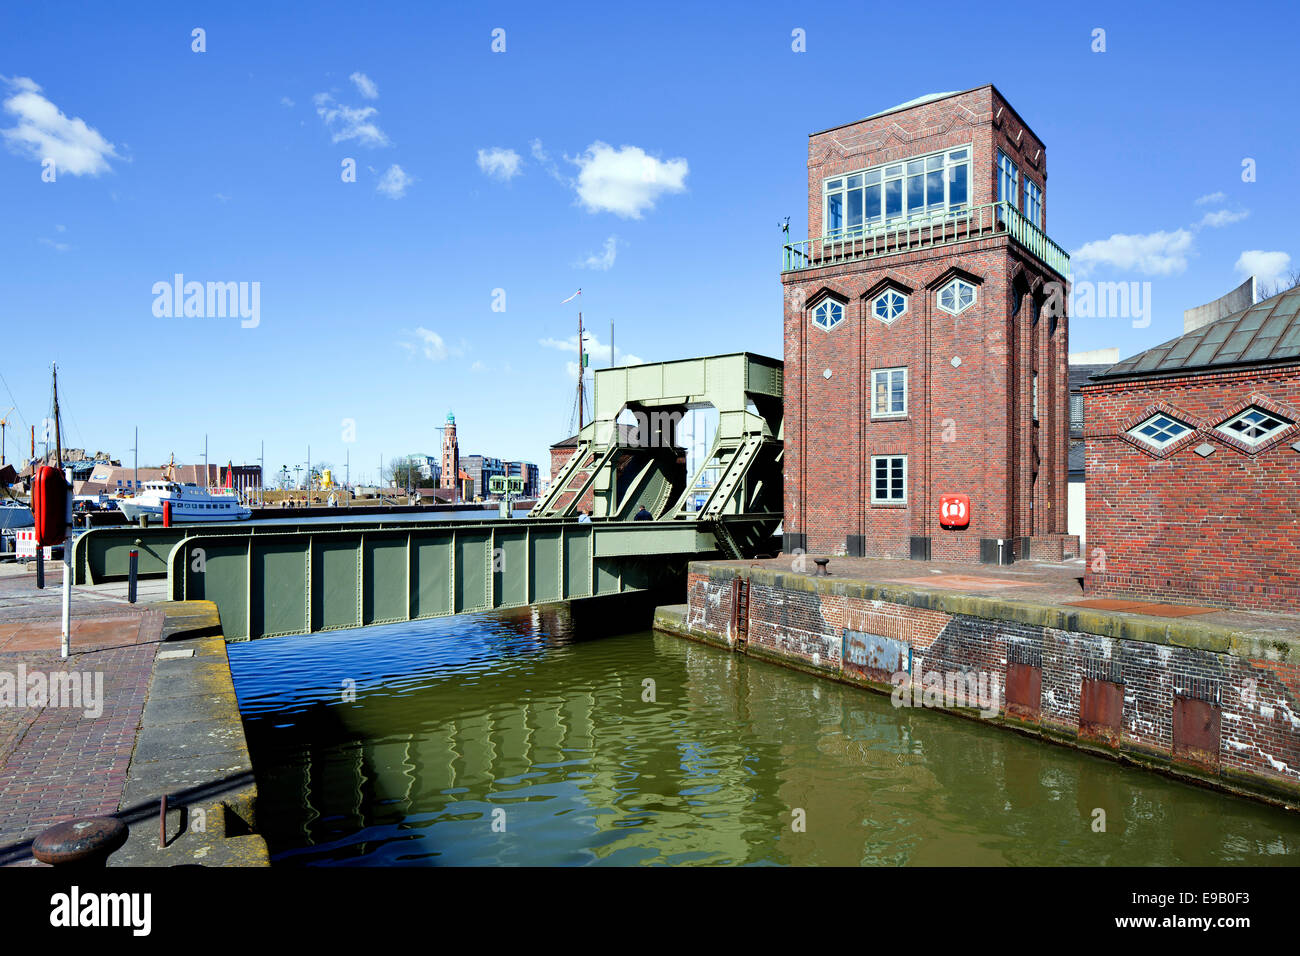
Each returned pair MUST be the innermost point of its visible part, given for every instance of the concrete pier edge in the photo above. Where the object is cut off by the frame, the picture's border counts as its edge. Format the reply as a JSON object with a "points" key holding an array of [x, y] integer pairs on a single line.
{"points": [[191, 747]]}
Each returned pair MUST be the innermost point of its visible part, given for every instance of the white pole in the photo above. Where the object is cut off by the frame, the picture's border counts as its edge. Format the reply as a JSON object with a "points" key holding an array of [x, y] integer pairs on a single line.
{"points": [[65, 641]]}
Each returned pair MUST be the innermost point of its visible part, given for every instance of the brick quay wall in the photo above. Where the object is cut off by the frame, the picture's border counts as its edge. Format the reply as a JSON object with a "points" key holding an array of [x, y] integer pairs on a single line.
{"points": [[1207, 703]]}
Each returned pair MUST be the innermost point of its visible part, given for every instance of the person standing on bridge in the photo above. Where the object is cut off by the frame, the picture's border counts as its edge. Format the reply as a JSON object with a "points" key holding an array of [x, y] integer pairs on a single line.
{"points": [[583, 517], [643, 515]]}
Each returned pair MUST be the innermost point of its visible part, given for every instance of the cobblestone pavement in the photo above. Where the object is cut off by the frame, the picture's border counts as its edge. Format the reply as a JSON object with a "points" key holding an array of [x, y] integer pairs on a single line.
{"points": [[65, 746]]}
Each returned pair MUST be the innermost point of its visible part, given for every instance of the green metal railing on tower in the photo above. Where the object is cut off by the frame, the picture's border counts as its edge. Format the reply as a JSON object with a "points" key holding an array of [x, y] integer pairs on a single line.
{"points": [[890, 237]]}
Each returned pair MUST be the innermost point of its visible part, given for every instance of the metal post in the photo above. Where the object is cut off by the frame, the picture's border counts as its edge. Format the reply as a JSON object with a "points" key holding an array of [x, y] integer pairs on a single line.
{"points": [[66, 638], [40, 566], [133, 567]]}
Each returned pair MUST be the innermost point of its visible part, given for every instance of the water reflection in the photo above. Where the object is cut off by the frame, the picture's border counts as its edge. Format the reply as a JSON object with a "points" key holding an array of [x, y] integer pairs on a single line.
{"points": [[457, 720]]}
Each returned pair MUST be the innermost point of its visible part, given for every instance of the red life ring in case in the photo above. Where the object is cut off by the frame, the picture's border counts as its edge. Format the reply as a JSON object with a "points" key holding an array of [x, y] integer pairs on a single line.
{"points": [[50, 506], [954, 511]]}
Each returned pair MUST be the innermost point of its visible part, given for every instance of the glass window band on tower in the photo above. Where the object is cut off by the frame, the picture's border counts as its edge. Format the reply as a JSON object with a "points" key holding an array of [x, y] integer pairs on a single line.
{"points": [[935, 183]]}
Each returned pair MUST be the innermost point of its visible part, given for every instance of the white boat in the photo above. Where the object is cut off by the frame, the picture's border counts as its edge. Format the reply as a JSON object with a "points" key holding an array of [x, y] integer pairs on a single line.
{"points": [[189, 503]]}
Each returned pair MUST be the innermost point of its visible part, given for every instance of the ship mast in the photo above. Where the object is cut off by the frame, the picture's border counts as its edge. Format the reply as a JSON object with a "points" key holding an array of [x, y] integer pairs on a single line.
{"points": [[58, 436]]}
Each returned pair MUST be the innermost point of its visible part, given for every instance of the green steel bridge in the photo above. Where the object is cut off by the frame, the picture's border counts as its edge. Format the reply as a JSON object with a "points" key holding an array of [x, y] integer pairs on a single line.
{"points": [[299, 578]]}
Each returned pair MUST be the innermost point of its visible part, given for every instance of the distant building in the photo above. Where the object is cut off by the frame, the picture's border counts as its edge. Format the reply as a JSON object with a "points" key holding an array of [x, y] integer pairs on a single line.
{"points": [[1242, 297], [1082, 366], [429, 467], [113, 479], [481, 469]]}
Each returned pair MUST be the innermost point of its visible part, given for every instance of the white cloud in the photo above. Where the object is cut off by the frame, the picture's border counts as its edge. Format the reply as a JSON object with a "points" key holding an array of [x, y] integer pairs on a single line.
{"points": [[1211, 198], [544, 160], [599, 353], [1222, 217], [365, 85], [430, 344], [285, 101], [478, 367], [605, 260], [56, 246], [1155, 253], [502, 164], [347, 122], [625, 181], [1267, 267], [221, 197], [394, 182], [44, 132]]}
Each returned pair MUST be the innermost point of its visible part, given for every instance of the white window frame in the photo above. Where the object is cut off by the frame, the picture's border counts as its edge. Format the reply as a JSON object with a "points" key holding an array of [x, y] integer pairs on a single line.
{"points": [[959, 308], [888, 458], [1033, 203], [899, 171], [889, 292], [1163, 443], [1008, 176], [826, 304], [887, 373], [1035, 396], [1282, 425]]}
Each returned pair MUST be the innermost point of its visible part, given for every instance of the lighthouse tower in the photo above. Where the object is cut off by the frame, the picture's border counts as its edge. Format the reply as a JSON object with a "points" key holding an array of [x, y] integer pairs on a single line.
{"points": [[450, 457]]}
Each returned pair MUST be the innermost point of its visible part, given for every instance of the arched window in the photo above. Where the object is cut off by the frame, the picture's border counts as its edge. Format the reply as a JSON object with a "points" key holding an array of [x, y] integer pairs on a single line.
{"points": [[957, 296], [889, 305], [827, 314]]}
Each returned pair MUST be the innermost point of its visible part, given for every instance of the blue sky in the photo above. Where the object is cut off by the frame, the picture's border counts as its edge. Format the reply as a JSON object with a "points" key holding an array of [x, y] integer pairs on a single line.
{"points": [[518, 171]]}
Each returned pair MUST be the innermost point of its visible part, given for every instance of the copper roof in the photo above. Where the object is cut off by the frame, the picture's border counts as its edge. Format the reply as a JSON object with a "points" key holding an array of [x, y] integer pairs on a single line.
{"points": [[1267, 332]]}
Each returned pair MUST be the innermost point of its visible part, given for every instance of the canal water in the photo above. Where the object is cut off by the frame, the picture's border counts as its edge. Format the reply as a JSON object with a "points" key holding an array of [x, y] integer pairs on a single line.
{"points": [[511, 739]]}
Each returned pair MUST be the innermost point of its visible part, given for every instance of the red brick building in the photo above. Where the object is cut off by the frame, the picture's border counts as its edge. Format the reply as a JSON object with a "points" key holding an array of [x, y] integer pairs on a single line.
{"points": [[451, 477], [926, 340], [1193, 458]]}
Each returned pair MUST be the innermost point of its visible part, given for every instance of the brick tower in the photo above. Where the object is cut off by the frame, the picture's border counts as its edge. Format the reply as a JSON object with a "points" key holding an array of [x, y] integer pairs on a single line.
{"points": [[926, 341], [450, 458]]}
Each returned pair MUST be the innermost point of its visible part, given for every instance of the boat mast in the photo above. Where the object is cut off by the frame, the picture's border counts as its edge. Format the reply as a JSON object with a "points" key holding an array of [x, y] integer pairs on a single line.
{"points": [[581, 363], [58, 437]]}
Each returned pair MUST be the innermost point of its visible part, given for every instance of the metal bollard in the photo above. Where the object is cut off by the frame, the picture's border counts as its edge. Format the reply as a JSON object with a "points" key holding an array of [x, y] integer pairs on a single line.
{"points": [[40, 566], [133, 563], [86, 843]]}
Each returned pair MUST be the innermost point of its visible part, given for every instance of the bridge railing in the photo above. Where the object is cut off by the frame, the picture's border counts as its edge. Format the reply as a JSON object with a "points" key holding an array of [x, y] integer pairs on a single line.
{"points": [[313, 580], [103, 554]]}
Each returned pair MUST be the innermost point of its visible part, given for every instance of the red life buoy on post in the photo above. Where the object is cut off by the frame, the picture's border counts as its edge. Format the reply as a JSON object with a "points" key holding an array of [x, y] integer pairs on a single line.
{"points": [[50, 506], [167, 514]]}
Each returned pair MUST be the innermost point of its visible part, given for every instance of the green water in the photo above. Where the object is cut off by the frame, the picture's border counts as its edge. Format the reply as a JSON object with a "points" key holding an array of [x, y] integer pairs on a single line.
{"points": [[506, 739]]}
